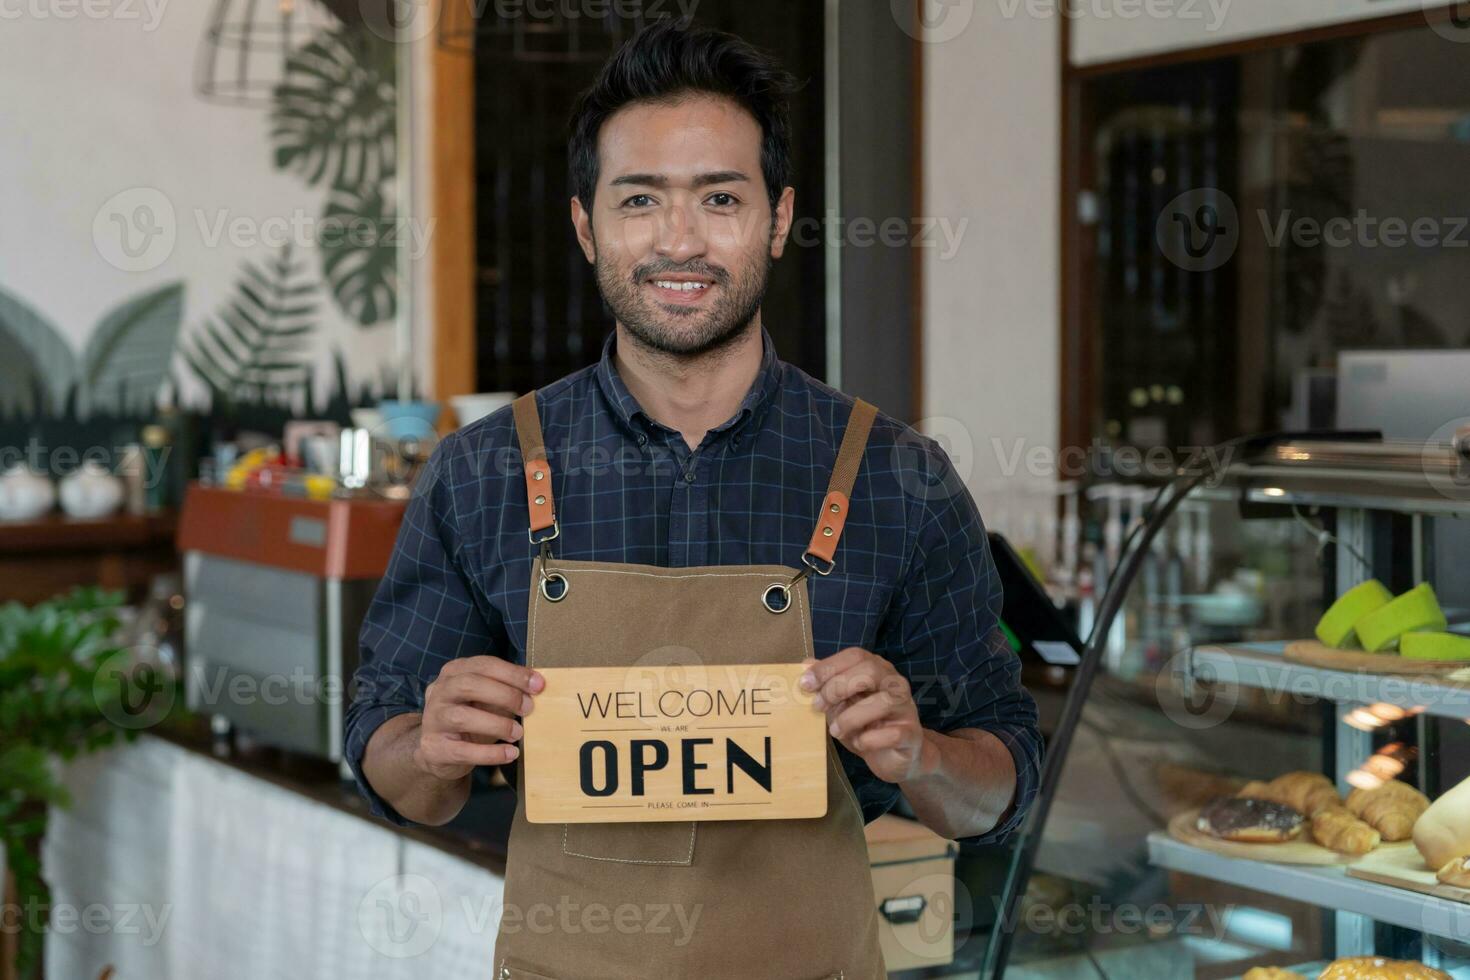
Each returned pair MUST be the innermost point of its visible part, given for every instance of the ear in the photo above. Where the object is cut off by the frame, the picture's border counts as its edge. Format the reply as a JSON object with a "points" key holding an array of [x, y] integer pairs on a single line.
{"points": [[785, 207], [582, 222]]}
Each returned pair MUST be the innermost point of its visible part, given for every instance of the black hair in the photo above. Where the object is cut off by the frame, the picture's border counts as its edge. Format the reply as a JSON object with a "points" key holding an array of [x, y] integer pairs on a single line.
{"points": [[669, 59]]}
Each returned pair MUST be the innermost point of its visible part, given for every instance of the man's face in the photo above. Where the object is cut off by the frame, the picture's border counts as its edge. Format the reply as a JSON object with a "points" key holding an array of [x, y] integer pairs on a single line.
{"points": [[681, 231]]}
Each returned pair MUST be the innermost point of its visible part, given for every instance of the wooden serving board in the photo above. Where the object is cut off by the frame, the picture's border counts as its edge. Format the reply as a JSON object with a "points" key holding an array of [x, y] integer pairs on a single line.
{"points": [[1299, 851], [1403, 867], [1315, 654], [652, 744]]}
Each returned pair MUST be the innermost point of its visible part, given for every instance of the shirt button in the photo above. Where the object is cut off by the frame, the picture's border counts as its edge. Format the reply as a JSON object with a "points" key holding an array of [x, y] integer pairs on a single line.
{"points": [[642, 440]]}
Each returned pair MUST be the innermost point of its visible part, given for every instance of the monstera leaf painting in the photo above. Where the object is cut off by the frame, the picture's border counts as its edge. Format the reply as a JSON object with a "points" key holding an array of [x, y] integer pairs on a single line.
{"points": [[258, 346], [125, 361], [359, 254], [333, 123]]}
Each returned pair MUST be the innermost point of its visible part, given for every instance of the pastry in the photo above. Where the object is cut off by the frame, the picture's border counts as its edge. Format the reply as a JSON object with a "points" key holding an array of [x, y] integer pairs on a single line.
{"points": [[1456, 871], [1336, 827], [1378, 968], [1305, 792], [1443, 831], [1271, 973], [1392, 808], [1240, 818]]}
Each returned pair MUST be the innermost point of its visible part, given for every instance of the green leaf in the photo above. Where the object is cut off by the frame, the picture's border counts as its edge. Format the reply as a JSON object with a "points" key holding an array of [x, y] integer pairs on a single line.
{"points": [[359, 257], [33, 356], [259, 343], [127, 356], [333, 116]]}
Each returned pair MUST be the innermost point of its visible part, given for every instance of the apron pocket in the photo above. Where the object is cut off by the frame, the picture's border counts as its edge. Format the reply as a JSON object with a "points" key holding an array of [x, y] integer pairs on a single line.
{"points": [[631, 843]]}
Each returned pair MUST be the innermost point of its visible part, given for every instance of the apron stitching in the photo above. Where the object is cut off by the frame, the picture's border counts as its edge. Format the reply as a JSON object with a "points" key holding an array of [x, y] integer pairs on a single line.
{"points": [[615, 571], [687, 862]]}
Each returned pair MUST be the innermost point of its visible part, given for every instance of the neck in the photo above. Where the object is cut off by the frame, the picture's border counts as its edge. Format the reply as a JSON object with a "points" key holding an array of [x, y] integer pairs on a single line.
{"points": [[690, 394]]}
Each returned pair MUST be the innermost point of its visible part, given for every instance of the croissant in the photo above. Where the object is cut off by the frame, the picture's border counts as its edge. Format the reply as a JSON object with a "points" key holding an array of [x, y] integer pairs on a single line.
{"points": [[1391, 808], [1306, 792], [1378, 968], [1337, 828], [1456, 872]]}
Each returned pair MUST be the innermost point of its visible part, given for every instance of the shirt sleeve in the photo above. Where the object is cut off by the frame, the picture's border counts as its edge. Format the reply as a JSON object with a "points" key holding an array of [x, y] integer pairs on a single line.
{"points": [[945, 636], [422, 616]]}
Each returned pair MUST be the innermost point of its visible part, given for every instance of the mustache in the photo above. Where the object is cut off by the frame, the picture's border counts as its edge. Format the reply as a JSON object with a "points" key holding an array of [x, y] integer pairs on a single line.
{"points": [[649, 270]]}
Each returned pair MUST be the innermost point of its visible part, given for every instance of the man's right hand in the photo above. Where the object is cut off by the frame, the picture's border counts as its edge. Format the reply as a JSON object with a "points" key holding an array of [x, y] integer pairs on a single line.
{"points": [[469, 715]]}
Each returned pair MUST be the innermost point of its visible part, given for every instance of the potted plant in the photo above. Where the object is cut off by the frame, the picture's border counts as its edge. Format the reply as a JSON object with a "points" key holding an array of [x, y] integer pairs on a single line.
{"points": [[63, 692]]}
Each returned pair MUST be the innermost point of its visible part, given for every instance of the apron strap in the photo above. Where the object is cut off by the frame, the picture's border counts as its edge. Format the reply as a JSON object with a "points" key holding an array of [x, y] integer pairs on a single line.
{"points": [[538, 470], [839, 491]]}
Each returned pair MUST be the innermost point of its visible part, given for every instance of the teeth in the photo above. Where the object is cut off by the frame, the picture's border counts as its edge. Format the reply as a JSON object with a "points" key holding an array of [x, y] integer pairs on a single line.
{"points": [[683, 286]]}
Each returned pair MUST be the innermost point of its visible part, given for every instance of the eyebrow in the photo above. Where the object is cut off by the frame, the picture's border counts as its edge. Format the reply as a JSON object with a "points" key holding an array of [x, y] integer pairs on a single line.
{"points": [[700, 180]]}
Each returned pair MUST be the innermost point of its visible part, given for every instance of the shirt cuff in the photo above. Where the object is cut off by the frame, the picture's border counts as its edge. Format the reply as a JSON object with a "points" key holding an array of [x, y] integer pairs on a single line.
{"points": [[359, 730], [1022, 743]]}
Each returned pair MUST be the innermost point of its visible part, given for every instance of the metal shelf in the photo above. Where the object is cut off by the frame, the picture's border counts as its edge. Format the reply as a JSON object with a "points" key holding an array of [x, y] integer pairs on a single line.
{"points": [[1262, 665], [1325, 887]]}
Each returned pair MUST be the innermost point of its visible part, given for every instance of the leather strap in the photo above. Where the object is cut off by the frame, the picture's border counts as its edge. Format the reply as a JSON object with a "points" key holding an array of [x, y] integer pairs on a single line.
{"points": [[533, 455], [839, 490]]}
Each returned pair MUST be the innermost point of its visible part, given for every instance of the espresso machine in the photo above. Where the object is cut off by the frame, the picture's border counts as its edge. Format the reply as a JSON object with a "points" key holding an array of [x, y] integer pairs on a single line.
{"points": [[277, 587]]}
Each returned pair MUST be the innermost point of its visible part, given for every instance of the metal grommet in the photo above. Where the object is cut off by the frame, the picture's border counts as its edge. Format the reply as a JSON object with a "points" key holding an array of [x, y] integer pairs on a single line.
{"points": [[777, 588], [540, 499], [566, 587], [836, 508], [826, 532]]}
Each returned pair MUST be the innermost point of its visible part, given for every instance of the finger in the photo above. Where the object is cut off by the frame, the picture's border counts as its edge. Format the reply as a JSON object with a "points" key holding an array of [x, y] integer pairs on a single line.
{"points": [[459, 752], [498, 668], [819, 672], [477, 688], [864, 678], [858, 715], [877, 738], [462, 719]]}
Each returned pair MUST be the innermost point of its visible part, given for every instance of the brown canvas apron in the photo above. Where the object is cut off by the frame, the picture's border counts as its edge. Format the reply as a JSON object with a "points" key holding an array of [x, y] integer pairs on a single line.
{"points": [[713, 900]]}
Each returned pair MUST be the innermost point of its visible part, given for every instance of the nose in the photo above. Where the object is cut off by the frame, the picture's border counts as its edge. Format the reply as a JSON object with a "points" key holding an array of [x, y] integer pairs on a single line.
{"points": [[681, 234]]}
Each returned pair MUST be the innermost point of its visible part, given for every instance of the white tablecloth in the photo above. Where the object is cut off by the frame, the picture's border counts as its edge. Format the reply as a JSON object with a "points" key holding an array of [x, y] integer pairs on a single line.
{"points": [[171, 865]]}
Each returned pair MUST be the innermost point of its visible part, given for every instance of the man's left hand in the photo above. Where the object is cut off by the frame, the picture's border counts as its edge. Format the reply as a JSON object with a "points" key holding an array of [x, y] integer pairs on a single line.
{"points": [[870, 709]]}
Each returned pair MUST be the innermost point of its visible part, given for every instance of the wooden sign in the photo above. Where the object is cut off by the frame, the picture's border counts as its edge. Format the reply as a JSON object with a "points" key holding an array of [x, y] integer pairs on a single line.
{"points": [[636, 744]]}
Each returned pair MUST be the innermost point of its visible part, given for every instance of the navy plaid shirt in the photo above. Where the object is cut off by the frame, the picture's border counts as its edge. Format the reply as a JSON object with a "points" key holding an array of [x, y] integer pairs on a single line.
{"points": [[914, 580]]}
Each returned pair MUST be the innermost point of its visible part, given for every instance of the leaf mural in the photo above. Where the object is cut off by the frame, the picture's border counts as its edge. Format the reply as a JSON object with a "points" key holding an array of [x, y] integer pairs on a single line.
{"points": [[37, 366], [258, 345], [127, 357], [333, 117], [359, 255]]}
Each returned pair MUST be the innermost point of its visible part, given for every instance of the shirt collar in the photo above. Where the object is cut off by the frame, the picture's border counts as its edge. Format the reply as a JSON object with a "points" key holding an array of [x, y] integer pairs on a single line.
{"points": [[626, 407]]}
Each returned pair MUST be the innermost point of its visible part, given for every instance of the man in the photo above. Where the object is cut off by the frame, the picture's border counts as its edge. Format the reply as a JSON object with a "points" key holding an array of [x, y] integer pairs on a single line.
{"points": [[691, 448]]}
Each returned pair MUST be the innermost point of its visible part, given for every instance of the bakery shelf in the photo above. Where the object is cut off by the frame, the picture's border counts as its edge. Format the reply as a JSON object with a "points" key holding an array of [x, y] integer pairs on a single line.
{"points": [[1328, 887], [1263, 665]]}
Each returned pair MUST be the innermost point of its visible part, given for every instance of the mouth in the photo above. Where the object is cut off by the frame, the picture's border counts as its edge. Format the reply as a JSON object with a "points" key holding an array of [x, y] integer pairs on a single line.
{"points": [[680, 290]]}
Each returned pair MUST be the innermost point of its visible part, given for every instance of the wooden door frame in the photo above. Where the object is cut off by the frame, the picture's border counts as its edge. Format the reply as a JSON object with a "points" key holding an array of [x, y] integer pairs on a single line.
{"points": [[452, 260]]}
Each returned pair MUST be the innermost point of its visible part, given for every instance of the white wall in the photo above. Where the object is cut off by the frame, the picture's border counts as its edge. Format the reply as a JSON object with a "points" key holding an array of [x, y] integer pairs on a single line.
{"points": [[991, 312], [101, 105]]}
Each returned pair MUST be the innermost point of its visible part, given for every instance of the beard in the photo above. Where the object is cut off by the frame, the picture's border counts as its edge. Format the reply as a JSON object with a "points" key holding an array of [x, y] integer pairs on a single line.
{"points": [[677, 331]]}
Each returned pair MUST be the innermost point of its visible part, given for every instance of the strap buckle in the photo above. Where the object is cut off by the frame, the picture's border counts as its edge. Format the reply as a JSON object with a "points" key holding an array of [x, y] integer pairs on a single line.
{"points": [[555, 533], [807, 560]]}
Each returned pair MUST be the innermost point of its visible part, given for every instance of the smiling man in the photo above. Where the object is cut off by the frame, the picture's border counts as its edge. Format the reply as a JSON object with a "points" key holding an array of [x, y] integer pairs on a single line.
{"points": [[647, 504]]}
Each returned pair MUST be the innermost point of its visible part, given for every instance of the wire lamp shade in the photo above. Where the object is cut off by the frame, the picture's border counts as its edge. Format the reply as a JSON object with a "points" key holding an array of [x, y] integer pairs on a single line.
{"points": [[557, 34], [243, 53]]}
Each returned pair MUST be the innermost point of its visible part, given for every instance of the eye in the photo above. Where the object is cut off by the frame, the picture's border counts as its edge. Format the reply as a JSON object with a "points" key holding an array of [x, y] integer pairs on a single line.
{"points": [[723, 199], [638, 201]]}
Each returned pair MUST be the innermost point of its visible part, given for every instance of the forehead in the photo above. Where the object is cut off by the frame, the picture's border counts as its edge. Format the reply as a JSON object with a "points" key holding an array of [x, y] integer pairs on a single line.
{"points": [[695, 134]]}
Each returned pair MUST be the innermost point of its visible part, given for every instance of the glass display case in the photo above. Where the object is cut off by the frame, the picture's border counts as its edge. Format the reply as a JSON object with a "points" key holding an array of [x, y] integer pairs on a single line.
{"points": [[1210, 680]]}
